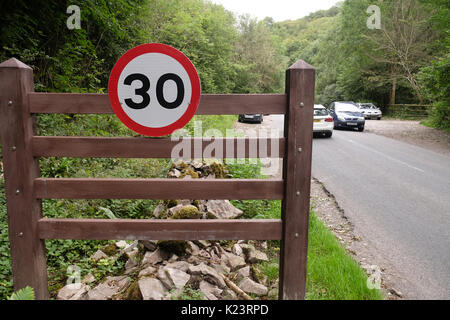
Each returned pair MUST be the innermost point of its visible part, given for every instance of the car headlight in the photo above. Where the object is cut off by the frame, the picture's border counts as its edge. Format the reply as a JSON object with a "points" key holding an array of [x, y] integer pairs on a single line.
{"points": [[341, 118]]}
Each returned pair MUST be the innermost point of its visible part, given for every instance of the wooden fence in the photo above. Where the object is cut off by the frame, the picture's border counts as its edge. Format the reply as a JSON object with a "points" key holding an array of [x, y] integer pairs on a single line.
{"points": [[408, 110], [25, 189]]}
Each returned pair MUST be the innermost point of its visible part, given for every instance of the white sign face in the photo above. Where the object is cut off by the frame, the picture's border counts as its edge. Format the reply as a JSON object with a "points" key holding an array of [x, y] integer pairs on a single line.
{"points": [[154, 89]]}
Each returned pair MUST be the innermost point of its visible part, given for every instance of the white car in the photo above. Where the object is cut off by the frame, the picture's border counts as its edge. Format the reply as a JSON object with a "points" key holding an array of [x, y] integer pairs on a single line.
{"points": [[323, 122], [370, 111]]}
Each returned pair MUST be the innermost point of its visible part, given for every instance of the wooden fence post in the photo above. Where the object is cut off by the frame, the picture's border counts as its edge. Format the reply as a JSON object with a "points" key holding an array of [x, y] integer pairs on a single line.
{"points": [[300, 82], [20, 169]]}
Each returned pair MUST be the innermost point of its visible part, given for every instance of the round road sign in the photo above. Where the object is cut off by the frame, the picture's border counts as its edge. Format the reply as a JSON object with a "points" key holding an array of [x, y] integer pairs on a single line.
{"points": [[154, 89]]}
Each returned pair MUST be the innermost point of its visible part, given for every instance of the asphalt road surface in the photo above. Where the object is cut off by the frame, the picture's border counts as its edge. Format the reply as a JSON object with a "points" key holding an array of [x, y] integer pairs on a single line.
{"points": [[398, 196]]}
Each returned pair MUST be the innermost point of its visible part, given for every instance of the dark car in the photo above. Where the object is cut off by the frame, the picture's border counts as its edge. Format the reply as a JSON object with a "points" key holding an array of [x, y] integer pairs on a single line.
{"points": [[346, 114], [257, 118]]}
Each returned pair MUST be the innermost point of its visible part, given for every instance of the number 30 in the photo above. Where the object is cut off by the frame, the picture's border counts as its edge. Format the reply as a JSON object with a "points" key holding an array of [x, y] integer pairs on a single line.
{"points": [[143, 91]]}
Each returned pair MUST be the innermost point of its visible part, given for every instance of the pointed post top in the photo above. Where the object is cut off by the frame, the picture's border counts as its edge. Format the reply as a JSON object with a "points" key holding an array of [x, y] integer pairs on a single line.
{"points": [[14, 63], [301, 64]]}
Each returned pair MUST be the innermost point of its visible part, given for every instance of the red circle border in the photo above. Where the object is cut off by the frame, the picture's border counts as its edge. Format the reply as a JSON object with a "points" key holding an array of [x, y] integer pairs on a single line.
{"points": [[114, 81]]}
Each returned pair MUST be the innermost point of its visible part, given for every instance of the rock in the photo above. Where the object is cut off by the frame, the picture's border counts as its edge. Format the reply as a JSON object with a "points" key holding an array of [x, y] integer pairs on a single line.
{"points": [[243, 273], [185, 212], [131, 263], [174, 173], [253, 255], [132, 253], [98, 255], [249, 286], [229, 295], [222, 209], [233, 261], [180, 265], [221, 268], [122, 244], [159, 210], [147, 271], [257, 256], [89, 278], [73, 291], [210, 274], [193, 248], [111, 287], [237, 250], [202, 243], [162, 276], [173, 258], [152, 258], [152, 289], [210, 291], [179, 278], [273, 293], [150, 245]]}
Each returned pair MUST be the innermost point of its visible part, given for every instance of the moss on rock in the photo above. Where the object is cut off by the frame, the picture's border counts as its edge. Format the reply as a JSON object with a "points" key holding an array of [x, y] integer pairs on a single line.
{"points": [[187, 212], [133, 292], [189, 172], [109, 249]]}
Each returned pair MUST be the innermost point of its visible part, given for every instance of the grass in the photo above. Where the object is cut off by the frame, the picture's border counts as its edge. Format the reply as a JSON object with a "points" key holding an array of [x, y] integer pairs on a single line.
{"points": [[332, 274]]}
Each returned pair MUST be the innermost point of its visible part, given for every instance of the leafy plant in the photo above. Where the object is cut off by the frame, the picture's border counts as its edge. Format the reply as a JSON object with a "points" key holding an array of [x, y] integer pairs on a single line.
{"points": [[26, 293]]}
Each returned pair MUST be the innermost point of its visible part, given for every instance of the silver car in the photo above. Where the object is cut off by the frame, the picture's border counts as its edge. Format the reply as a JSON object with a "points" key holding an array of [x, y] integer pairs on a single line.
{"points": [[370, 111]]}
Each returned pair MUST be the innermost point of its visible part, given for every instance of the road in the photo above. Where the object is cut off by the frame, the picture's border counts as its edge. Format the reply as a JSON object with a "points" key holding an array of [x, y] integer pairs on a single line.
{"points": [[398, 197]]}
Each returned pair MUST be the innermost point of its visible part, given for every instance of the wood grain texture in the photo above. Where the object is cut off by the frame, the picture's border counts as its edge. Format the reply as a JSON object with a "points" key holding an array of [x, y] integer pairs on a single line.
{"points": [[117, 229], [232, 189], [20, 169], [300, 80], [93, 147], [210, 104]]}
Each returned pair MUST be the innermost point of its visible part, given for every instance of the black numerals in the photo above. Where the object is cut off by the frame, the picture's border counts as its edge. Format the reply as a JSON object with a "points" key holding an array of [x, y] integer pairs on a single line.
{"points": [[160, 92], [143, 91]]}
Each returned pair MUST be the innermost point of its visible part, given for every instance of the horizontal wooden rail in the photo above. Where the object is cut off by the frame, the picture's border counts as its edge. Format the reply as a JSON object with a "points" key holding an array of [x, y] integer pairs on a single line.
{"points": [[233, 189], [92, 147], [210, 104], [117, 229]]}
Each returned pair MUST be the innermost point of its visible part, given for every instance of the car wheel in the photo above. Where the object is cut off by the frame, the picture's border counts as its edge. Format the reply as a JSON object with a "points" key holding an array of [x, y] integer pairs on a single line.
{"points": [[361, 129], [328, 134], [379, 118]]}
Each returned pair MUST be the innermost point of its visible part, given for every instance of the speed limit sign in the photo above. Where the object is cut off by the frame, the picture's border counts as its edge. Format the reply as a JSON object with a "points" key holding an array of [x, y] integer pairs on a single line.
{"points": [[154, 89]]}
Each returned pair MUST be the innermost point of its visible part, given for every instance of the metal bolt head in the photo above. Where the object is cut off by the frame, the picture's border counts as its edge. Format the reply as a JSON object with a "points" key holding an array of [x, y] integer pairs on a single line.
{"points": [[14, 148], [296, 235], [299, 149], [20, 234], [302, 104], [298, 193], [17, 191], [10, 103]]}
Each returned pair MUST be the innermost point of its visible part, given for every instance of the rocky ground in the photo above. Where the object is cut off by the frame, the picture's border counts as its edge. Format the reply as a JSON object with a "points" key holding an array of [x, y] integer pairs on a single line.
{"points": [[164, 270]]}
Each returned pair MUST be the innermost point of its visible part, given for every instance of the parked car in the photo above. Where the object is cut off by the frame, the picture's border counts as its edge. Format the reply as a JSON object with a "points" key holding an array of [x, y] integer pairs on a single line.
{"points": [[346, 114], [257, 118], [323, 121], [370, 111]]}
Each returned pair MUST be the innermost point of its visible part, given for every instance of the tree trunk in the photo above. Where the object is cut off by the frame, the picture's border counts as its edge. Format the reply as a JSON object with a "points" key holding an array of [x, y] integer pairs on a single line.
{"points": [[394, 89]]}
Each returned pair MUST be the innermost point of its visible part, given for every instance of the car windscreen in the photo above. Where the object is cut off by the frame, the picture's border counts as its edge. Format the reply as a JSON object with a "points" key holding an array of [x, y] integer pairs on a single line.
{"points": [[343, 107], [320, 112]]}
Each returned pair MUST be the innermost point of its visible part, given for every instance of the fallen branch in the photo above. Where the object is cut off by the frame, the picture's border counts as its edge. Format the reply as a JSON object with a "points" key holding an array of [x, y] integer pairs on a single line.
{"points": [[235, 288]]}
